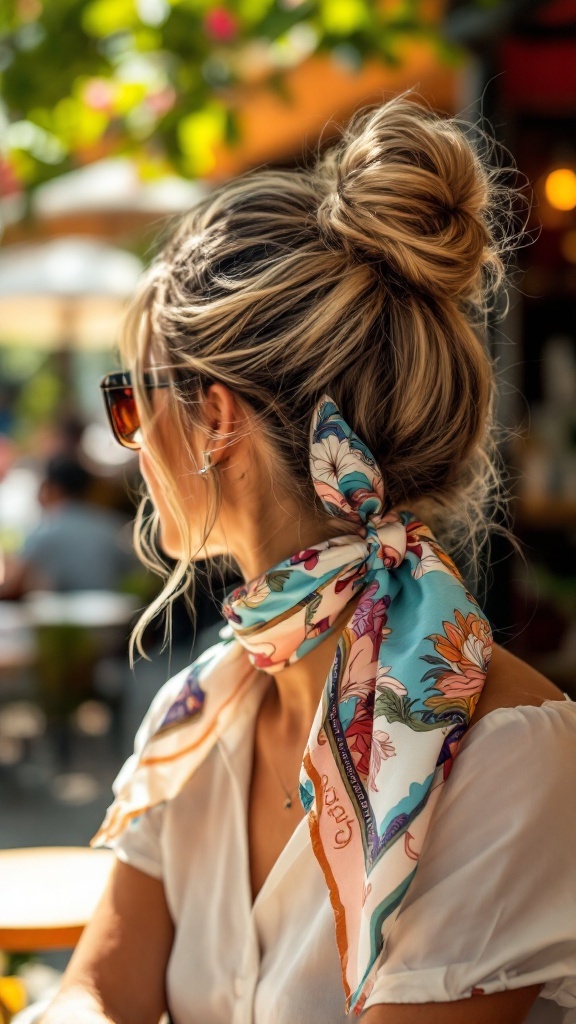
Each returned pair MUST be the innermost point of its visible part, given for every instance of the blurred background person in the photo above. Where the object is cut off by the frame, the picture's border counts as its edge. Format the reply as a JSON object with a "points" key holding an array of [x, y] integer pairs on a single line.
{"points": [[76, 546]]}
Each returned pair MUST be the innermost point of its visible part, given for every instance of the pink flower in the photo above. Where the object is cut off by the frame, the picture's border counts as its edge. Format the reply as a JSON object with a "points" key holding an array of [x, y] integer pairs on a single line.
{"points": [[308, 558], [362, 494], [370, 617], [335, 500], [261, 660], [255, 592], [382, 749], [221, 25], [264, 655], [390, 556], [99, 94], [229, 614], [161, 102], [9, 182], [358, 679]]}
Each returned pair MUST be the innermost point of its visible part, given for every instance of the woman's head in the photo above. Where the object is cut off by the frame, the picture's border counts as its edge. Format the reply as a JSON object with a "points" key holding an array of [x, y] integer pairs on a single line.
{"points": [[365, 276]]}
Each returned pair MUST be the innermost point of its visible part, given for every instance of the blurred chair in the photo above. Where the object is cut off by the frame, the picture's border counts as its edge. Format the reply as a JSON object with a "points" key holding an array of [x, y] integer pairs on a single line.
{"points": [[74, 633]]}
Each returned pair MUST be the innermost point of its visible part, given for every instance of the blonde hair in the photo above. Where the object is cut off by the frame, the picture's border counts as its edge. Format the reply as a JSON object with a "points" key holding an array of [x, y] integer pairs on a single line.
{"points": [[367, 276]]}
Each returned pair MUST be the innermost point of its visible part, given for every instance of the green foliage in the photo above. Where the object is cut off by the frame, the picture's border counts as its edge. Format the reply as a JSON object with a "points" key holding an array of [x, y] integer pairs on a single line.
{"points": [[82, 79], [103, 18], [198, 133], [39, 399], [398, 709], [277, 579], [390, 704], [344, 17]]}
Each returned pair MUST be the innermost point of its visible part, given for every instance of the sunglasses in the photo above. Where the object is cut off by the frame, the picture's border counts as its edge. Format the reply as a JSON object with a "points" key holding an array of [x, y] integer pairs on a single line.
{"points": [[120, 403]]}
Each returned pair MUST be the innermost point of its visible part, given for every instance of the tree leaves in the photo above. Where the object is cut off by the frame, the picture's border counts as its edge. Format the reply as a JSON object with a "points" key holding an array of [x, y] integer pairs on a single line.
{"points": [[158, 77], [199, 134]]}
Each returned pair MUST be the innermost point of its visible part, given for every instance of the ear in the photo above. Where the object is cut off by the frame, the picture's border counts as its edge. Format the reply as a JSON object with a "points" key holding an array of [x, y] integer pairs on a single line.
{"points": [[222, 416]]}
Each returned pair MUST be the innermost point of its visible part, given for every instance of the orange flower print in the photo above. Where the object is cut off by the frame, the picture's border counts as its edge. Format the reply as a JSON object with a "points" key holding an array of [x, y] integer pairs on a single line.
{"points": [[466, 648]]}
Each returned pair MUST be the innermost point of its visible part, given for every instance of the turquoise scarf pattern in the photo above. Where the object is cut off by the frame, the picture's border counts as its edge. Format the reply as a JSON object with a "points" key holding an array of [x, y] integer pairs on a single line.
{"points": [[408, 671]]}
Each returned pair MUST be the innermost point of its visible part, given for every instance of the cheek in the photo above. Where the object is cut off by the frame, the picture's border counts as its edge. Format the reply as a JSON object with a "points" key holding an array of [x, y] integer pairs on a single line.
{"points": [[190, 503], [151, 480], [170, 538]]}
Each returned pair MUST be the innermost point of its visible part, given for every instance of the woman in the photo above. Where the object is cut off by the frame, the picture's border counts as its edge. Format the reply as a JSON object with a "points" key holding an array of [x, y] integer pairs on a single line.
{"points": [[308, 389]]}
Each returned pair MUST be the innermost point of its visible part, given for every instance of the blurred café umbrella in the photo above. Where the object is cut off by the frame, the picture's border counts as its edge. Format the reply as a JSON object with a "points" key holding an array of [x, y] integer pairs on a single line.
{"points": [[64, 294], [113, 184]]}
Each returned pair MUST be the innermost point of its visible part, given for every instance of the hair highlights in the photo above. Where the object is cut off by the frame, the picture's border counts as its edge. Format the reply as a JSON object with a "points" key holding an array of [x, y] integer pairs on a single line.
{"points": [[367, 276]]}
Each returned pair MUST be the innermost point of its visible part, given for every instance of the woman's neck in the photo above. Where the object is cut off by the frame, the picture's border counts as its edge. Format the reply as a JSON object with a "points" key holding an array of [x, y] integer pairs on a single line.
{"points": [[296, 690], [262, 528], [259, 538], [265, 545]]}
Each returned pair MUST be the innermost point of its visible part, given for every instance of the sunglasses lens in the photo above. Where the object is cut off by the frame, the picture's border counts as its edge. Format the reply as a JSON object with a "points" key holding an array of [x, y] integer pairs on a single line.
{"points": [[124, 416]]}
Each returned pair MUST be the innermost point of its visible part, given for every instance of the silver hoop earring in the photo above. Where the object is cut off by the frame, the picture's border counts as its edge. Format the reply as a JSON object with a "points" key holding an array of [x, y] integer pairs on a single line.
{"points": [[206, 464]]}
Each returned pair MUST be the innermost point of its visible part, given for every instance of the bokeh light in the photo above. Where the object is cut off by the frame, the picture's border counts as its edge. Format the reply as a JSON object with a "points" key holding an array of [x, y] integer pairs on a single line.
{"points": [[560, 188]]}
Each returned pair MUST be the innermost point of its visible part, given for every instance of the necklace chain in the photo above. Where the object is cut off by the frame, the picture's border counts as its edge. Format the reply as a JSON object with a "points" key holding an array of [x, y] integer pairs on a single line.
{"points": [[290, 793]]}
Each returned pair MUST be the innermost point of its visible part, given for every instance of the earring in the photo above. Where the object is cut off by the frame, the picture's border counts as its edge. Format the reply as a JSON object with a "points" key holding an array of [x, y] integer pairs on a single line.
{"points": [[206, 463]]}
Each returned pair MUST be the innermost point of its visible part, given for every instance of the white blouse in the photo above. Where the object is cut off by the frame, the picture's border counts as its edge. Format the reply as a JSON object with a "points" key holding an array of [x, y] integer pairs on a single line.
{"points": [[492, 905]]}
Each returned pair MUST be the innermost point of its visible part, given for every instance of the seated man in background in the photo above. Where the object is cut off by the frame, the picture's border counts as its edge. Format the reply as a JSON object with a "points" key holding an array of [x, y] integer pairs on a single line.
{"points": [[77, 546]]}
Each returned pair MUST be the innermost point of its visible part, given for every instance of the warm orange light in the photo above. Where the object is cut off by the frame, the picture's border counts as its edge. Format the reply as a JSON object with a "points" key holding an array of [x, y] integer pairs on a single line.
{"points": [[560, 188]]}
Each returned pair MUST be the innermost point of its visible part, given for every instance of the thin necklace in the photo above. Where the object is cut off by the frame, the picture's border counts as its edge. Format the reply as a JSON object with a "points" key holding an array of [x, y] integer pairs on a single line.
{"points": [[290, 793]]}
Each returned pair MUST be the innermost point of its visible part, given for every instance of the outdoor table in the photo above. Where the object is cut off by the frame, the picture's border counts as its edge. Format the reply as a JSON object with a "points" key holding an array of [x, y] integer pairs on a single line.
{"points": [[95, 610], [91, 609], [48, 895]]}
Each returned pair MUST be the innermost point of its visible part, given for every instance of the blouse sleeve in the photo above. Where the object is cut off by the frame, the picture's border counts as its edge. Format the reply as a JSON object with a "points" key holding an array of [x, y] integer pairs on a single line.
{"points": [[493, 903], [139, 844]]}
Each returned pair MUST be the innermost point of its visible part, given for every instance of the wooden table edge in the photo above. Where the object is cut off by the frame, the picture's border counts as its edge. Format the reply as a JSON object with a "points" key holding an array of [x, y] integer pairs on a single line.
{"points": [[27, 940]]}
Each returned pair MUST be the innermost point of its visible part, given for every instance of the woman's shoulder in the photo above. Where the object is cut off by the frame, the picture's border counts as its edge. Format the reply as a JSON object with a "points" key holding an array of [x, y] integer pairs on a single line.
{"points": [[193, 692], [523, 732], [514, 776], [493, 902]]}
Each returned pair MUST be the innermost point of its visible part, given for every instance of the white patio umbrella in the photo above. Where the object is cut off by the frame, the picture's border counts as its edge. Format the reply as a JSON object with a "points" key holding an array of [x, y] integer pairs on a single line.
{"points": [[114, 185], [66, 293]]}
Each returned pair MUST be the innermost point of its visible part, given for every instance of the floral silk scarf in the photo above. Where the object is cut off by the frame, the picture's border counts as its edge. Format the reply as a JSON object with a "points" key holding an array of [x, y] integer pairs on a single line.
{"points": [[406, 677]]}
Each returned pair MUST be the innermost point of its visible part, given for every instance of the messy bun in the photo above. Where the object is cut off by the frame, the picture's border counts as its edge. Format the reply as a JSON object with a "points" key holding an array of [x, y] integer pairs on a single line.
{"points": [[407, 192], [366, 276]]}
